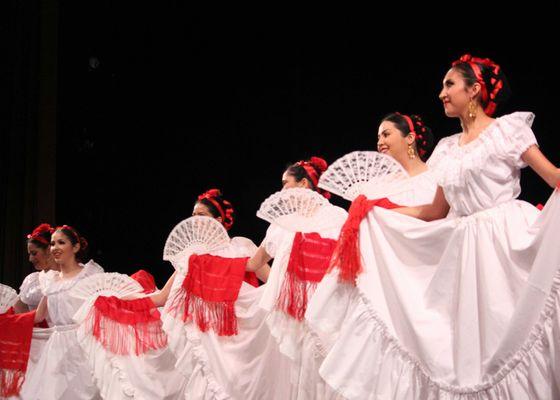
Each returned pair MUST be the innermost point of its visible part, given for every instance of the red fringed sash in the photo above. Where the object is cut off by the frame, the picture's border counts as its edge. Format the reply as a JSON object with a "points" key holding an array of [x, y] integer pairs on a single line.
{"points": [[251, 279], [43, 324], [16, 331], [347, 256], [309, 261], [145, 279], [209, 292], [126, 326]]}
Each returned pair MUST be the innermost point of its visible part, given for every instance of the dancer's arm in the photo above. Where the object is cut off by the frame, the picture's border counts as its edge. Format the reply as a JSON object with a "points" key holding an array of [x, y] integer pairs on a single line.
{"points": [[258, 261], [263, 272], [160, 298], [541, 165], [429, 212], [20, 307], [41, 312]]}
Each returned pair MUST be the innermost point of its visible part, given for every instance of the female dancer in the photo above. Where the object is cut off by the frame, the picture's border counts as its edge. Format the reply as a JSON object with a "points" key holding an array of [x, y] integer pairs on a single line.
{"points": [[62, 362], [463, 307], [212, 204], [228, 364], [38, 248], [408, 140], [302, 174]]}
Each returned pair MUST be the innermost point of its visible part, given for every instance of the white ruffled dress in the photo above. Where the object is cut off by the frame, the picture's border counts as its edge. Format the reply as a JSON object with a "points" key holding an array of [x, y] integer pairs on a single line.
{"points": [[291, 335], [460, 308], [226, 367], [61, 372], [30, 294], [30, 290], [146, 376]]}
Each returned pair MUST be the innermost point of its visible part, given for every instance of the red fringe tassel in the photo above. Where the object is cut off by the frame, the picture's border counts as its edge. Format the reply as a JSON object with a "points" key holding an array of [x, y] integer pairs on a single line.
{"points": [[347, 256], [309, 261], [15, 341], [208, 293], [126, 326]]}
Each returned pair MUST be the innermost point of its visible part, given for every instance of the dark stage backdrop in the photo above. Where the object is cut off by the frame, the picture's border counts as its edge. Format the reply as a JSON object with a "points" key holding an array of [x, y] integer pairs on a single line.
{"points": [[156, 104]]}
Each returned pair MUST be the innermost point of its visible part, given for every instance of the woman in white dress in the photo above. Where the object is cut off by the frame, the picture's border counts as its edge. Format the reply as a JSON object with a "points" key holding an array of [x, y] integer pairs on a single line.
{"points": [[62, 371], [247, 364], [215, 365], [464, 307], [302, 174], [38, 248], [408, 140], [301, 252], [212, 204]]}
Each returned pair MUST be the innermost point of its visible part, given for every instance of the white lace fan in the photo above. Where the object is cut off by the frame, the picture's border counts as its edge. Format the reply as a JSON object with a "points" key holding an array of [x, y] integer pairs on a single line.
{"points": [[300, 210], [105, 284], [363, 171], [8, 297], [197, 235]]}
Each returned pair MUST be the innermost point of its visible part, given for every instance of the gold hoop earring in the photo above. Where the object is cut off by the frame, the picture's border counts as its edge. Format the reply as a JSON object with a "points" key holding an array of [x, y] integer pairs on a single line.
{"points": [[472, 109], [411, 153]]}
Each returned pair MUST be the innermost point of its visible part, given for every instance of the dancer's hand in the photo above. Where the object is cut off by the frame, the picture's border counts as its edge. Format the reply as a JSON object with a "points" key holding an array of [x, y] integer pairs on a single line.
{"points": [[259, 259]]}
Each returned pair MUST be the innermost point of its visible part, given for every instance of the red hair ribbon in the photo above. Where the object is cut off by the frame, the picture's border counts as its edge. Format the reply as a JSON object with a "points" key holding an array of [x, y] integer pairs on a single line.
{"points": [[419, 136], [227, 217], [37, 232], [309, 167], [498, 85], [408, 121], [228, 222], [69, 228]]}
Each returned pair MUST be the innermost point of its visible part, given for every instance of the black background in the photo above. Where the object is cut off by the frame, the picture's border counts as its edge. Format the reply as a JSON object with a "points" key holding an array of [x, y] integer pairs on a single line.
{"points": [[158, 103]]}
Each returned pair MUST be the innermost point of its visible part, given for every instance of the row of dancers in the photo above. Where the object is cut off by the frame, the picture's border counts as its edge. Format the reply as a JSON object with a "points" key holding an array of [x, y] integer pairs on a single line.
{"points": [[437, 283]]}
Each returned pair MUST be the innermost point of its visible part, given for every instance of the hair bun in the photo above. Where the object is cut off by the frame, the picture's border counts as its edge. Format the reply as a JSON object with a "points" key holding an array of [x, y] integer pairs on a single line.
{"points": [[210, 193], [319, 163], [43, 228], [223, 207], [495, 87]]}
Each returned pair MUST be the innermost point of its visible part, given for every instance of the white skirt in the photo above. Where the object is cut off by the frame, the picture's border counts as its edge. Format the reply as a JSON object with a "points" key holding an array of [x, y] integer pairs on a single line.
{"points": [[38, 341], [461, 308], [62, 371], [146, 376], [245, 366]]}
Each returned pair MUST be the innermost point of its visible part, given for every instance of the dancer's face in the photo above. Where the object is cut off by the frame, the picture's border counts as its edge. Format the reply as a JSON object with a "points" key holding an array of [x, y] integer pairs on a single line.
{"points": [[203, 211], [289, 181], [391, 141], [455, 94], [37, 256], [62, 248]]}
